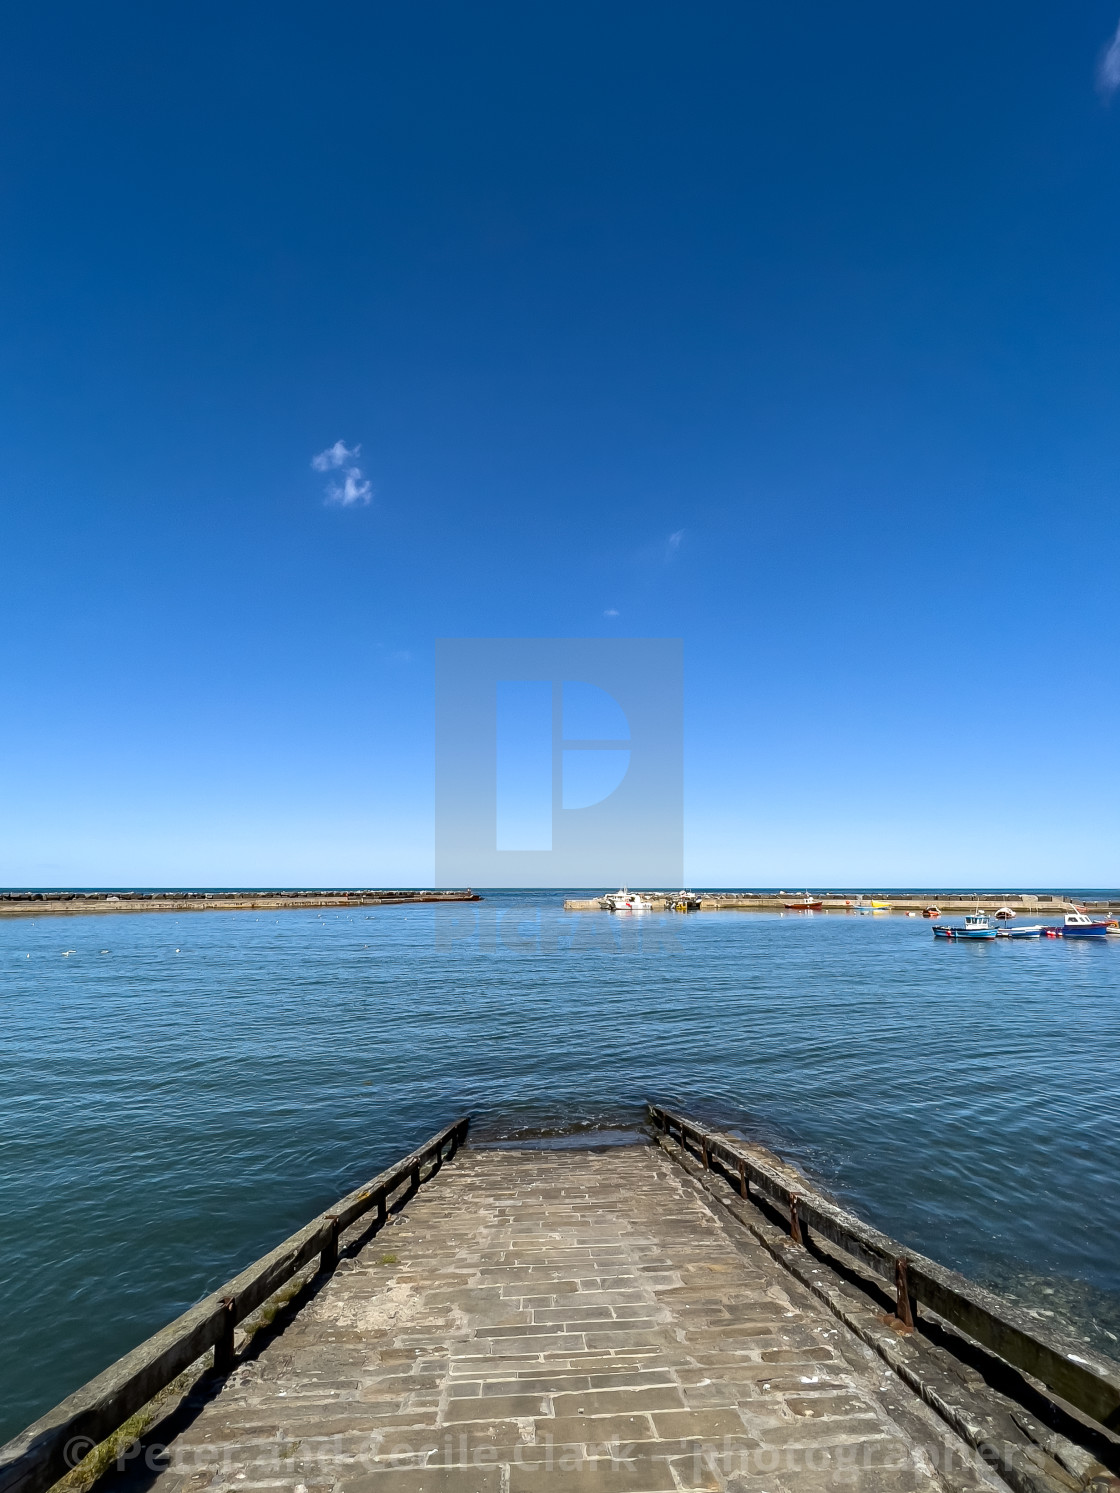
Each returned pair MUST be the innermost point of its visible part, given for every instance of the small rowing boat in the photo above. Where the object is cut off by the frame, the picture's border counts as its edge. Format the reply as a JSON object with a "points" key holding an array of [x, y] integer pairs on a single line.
{"points": [[1025, 930]]}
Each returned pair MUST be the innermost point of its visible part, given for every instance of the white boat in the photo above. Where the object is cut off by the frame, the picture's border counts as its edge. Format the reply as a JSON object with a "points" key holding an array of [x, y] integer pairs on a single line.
{"points": [[1023, 930], [625, 900], [1005, 914], [1078, 925]]}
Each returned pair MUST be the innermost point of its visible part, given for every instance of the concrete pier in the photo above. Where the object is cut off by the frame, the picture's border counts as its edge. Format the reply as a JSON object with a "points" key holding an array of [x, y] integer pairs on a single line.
{"points": [[52, 903], [1024, 904]]}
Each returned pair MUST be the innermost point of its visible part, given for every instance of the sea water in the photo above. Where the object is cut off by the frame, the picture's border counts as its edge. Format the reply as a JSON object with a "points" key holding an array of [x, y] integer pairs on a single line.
{"points": [[179, 1091]]}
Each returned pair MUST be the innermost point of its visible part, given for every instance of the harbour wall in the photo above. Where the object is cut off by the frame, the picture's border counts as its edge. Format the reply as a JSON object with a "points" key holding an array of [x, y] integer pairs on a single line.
{"points": [[947, 902], [39, 904]]}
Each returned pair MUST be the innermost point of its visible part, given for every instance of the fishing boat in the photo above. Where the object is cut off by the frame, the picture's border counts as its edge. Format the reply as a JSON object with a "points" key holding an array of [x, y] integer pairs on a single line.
{"points": [[686, 902], [1080, 925], [932, 911], [625, 900], [976, 925], [804, 904]]}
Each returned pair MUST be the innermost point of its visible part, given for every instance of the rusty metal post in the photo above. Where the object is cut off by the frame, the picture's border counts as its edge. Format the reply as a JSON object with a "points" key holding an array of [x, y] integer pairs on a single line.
{"points": [[328, 1255], [743, 1187], [794, 1220], [904, 1310], [223, 1348]]}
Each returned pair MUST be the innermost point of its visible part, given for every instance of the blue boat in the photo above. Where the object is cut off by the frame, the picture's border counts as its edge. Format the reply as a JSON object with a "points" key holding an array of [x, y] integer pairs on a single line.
{"points": [[976, 925], [1078, 925]]}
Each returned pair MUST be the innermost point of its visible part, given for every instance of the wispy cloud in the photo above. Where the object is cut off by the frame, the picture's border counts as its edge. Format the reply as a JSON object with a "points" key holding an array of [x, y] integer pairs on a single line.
{"points": [[673, 544], [1108, 74], [354, 487], [611, 612]]}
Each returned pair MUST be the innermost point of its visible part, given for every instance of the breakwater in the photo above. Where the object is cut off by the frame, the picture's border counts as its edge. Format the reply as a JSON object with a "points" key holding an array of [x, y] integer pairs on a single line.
{"points": [[849, 902], [24, 903]]}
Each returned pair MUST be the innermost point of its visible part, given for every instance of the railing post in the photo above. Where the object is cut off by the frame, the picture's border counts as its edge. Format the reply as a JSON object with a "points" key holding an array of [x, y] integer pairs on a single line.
{"points": [[794, 1220], [904, 1310], [704, 1153], [744, 1189], [223, 1348], [328, 1255]]}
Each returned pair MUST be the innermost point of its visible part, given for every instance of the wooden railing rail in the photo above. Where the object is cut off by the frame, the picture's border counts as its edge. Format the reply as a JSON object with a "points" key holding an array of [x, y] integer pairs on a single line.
{"points": [[48, 1449], [1080, 1376]]}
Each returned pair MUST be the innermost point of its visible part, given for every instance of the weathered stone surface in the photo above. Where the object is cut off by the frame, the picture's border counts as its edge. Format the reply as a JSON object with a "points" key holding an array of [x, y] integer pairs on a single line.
{"points": [[558, 1322]]}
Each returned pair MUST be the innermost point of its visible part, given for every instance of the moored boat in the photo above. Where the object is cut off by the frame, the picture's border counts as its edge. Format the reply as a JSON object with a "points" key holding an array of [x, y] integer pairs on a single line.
{"points": [[625, 900], [1079, 925], [976, 925], [804, 904], [1025, 930]]}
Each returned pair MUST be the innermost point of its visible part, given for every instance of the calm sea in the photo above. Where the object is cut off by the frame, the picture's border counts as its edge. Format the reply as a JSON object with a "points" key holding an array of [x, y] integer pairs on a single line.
{"points": [[179, 1092]]}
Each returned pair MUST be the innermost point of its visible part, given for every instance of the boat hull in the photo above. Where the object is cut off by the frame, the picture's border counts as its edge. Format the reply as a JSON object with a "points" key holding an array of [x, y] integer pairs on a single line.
{"points": [[1086, 930], [957, 934]]}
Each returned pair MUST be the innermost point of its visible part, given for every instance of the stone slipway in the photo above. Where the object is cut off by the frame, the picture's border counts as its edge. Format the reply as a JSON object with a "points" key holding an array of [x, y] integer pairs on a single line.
{"points": [[557, 1322]]}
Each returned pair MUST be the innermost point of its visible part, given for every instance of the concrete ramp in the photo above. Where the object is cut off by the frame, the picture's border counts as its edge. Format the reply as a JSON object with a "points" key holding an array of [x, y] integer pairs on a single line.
{"points": [[557, 1322]]}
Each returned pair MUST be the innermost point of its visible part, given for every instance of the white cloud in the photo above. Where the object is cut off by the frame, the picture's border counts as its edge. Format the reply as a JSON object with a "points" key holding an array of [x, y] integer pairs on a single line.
{"points": [[611, 612], [674, 542], [354, 489], [1108, 74], [334, 457]]}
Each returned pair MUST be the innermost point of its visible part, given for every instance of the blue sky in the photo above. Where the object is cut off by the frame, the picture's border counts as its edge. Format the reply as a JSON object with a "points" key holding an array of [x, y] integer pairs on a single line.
{"points": [[790, 331]]}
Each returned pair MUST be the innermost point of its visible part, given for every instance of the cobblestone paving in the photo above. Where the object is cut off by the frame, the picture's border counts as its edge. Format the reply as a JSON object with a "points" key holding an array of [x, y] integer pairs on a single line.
{"points": [[562, 1322]]}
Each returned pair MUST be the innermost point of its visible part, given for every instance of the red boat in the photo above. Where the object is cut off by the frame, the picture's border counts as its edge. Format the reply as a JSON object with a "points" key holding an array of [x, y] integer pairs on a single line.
{"points": [[804, 904]]}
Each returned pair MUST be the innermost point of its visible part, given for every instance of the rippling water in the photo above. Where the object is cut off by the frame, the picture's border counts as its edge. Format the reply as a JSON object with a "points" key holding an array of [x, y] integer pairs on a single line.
{"points": [[180, 1091]]}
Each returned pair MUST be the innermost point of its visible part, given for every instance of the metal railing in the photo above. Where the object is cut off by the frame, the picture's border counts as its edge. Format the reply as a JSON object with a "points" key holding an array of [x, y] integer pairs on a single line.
{"points": [[1083, 1378], [40, 1455]]}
